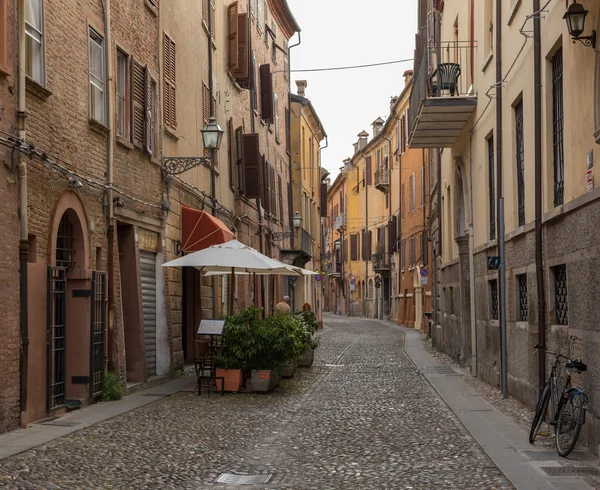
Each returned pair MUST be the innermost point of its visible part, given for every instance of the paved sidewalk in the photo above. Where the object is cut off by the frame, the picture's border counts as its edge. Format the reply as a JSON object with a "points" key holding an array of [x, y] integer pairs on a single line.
{"points": [[35, 435], [501, 438]]}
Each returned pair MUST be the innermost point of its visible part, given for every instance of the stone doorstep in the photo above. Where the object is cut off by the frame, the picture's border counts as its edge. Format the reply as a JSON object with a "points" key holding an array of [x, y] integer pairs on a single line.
{"points": [[153, 381]]}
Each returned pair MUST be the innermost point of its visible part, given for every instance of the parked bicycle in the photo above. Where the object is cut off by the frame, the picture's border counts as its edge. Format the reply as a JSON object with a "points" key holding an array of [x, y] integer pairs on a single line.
{"points": [[568, 405]]}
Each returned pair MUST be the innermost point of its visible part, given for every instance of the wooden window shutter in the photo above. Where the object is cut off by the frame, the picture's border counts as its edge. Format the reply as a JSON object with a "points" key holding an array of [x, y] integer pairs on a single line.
{"points": [[266, 187], [242, 71], [370, 245], [291, 211], [425, 247], [266, 93], [280, 188], [364, 245], [169, 82], [232, 36], [369, 178], [323, 200], [287, 130], [150, 113], [391, 238], [353, 247], [232, 154], [213, 19], [251, 164], [403, 135], [273, 195], [206, 110], [239, 170], [138, 103], [205, 11]]}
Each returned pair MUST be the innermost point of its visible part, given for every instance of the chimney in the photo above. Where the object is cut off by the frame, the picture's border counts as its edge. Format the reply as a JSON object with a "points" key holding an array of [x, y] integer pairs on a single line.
{"points": [[408, 74], [393, 100], [363, 139], [377, 126], [301, 84]]}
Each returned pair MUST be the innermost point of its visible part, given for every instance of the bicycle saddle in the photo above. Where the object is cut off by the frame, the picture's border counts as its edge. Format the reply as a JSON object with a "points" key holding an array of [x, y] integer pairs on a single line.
{"points": [[577, 365]]}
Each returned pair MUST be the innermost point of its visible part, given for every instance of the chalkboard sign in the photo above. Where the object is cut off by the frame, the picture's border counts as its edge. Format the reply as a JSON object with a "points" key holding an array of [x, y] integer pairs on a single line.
{"points": [[211, 327]]}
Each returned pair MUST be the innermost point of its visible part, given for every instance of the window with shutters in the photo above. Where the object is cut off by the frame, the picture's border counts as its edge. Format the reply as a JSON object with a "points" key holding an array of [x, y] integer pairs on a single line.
{"points": [[151, 111], [240, 65], [256, 80], [123, 101], [206, 20], [169, 82], [251, 162], [232, 36], [239, 169], [143, 107], [34, 40], [354, 247], [287, 130], [266, 94], [403, 255], [276, 115], [286, 60], [206, 113], [369, 171], [412, 198], [259, 14], [97, 77], [232, 153], [280, 189], [402, 201]]}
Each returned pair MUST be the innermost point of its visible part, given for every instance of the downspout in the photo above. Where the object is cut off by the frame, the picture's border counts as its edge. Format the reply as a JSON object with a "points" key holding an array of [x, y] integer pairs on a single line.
{"points": [[471, 265], [423, 244], [109, 355], [24, 235], [499, 187], [539, 264], [213, 194]]}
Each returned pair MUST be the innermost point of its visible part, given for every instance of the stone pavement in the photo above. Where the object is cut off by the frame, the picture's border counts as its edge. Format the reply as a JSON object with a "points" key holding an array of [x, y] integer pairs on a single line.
{"points": [[363, 417]]}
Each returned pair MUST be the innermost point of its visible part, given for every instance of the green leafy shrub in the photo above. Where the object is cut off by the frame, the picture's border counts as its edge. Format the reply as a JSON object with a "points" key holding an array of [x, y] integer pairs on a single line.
{"points": [[239, 345], [112, 387]]}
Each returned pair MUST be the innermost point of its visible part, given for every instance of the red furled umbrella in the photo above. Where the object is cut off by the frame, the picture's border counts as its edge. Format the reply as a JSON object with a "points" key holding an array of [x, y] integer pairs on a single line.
{"points": [[200, 230]]}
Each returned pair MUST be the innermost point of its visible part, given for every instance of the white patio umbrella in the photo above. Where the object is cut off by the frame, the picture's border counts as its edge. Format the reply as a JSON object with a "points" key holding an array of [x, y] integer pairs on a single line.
{"points": [[230, 258]]}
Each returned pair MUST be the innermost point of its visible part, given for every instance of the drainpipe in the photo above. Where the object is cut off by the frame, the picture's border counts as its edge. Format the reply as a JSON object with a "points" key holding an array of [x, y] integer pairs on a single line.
{"points": [[539, 264], [109, 357], [471, 265], [499, 186], [24, 235]]}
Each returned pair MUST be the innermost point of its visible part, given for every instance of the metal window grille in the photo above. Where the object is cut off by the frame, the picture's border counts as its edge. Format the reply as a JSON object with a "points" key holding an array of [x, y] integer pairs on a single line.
{"points": [[560, 292], [520, 162], [56, 368], [494, 293], [558, 127], [64, 243], [523, 298], [98, 328], [492, 188]]}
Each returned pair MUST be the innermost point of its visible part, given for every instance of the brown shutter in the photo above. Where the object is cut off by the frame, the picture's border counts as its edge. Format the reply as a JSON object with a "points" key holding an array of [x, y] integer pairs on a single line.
{"points": [[280, 188], [232, 36], [370, 245], [150, 112], [353, 247], [239, 170], [369, 177], [241, 72], [213, 23], [169, 77], [232, 153], [266, 93], [251, 164], [364, 245], [273, 195], [138, 103], [287, 130], [266, 187], [323, 200], [205, 11], [403, 136]]}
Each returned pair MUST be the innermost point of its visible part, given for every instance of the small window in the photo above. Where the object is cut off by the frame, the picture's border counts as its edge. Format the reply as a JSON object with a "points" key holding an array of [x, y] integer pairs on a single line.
{"points": [[412, 196], [523, 298], [561, 304], [494, 313], [34, 47], [121, 92], [97, 80], [276, 115]]}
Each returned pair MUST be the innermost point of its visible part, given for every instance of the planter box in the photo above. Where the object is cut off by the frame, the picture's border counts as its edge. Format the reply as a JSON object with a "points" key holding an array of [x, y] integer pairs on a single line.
{"points": [[307, 358], [233, 379], [290, 369], [264, 381]]}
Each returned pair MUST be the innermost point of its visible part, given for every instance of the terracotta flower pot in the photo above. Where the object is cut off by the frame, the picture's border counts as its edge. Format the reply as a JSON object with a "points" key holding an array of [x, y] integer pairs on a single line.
{"points": [[290, 369], [307, 359], [264, 381], [233, 379]]}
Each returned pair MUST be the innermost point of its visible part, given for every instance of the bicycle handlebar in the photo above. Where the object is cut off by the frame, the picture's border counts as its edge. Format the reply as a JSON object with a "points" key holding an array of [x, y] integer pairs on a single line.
{"points": [[537, 347]]}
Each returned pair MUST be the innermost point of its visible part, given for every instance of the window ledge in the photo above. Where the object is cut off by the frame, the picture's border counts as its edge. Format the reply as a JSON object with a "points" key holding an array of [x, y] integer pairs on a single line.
{"points": [[37, 88], [98, 126], [270, 128], [234, 82], [487, 60], [152, 8], [5, 70], [171, 133], [513, 11], [125, 143], [570, 206]]}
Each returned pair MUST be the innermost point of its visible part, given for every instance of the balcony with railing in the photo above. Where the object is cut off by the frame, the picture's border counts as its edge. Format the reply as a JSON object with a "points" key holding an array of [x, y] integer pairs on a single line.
{"points": [[382, 179], [340, 222], [381, 262], [306, 243], [443, 97]]}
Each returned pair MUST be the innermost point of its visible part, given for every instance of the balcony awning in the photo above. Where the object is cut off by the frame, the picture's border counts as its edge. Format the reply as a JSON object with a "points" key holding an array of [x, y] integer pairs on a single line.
{"points": [[200, 230]]}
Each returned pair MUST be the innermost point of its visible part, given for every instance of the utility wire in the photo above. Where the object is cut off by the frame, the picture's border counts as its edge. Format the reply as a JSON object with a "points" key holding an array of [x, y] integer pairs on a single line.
{"points": [[353, 67]]}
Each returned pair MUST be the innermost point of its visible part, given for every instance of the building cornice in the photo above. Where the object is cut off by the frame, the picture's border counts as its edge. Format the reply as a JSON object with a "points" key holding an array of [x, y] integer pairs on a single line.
{"points": [[285, 19]]}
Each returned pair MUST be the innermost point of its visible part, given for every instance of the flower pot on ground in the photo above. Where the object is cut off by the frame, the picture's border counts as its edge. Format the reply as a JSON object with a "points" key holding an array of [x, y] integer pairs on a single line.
{"points": [[307, 359], [264, 380], [233, 379], [290, 369]]}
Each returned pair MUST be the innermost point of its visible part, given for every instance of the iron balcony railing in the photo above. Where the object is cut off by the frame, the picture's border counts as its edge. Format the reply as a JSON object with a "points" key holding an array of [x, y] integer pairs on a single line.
{"points": [[382, 177], [381, 261], [340, 222], [442, 73], [307, 243]]}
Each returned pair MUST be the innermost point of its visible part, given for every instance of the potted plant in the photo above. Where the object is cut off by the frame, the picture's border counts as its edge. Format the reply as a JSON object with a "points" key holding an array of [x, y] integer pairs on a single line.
{"points": [[275, 347], [308, 340], [234, 359]]}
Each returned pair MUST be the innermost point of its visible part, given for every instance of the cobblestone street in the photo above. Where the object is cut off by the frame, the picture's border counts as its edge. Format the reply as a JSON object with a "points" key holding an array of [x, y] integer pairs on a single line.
{"points": [[362, 417]]}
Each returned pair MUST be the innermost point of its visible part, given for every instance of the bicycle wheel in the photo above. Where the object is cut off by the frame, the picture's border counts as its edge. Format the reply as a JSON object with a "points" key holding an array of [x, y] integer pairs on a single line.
{"points": [[569, 422], [540, 413]]}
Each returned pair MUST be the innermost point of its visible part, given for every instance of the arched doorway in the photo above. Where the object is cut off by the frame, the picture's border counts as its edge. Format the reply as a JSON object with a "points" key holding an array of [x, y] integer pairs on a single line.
{"points": [[76, 314]]}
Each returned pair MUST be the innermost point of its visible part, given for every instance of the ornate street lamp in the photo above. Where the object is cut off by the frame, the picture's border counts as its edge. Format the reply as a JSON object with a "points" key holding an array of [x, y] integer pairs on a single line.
{"points": [[338, 245], [212, 134], [297, 221], [575, 18]]}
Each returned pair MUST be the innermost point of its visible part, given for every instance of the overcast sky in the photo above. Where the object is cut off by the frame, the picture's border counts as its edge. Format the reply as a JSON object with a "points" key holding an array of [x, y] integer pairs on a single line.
{"points": [[352, 32]]}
